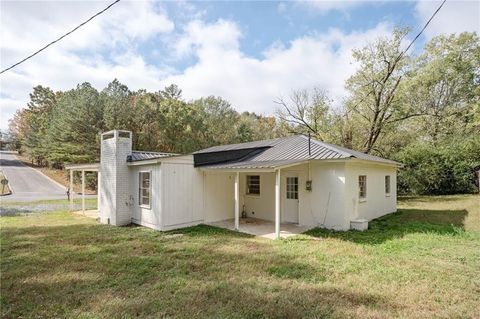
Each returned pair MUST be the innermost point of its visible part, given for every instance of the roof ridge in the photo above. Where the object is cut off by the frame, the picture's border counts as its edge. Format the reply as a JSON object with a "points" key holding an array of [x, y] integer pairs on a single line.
{"points": [[335, 148]]}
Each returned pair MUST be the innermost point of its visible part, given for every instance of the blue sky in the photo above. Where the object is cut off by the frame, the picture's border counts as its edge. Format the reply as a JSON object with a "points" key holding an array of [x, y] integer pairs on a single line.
{"points": [[249, 53]]}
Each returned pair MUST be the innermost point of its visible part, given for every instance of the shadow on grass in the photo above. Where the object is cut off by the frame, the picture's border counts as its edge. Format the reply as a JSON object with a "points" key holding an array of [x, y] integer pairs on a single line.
{"points": [[104, 271], [401, 223], [433, 198]]}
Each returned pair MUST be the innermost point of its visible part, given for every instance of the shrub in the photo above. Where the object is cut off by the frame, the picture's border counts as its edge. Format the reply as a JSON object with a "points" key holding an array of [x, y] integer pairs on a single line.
{"points": [[446, 169]]}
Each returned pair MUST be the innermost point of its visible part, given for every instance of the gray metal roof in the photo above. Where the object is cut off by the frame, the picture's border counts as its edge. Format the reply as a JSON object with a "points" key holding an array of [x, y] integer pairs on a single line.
{"points": [[142, 156], [288, 150]]}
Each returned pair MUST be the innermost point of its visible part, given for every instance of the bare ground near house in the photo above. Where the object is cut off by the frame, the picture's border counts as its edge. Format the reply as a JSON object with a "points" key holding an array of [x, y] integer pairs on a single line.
{"points": [[423, 261]]}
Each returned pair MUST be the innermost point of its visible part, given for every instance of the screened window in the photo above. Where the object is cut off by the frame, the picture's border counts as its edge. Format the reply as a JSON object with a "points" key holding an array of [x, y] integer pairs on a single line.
{"points": [[253, 184], [292, 187], [144, 189], [362, 186], [387, 184]]}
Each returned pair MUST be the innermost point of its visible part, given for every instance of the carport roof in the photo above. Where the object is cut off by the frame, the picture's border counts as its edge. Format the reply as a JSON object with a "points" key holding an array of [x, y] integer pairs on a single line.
{"points": [[282, 152], [142, 155]]}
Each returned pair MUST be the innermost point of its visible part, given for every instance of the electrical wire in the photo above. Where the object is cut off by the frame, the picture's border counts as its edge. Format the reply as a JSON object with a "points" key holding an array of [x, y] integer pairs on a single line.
{"points": [[60, 38]]}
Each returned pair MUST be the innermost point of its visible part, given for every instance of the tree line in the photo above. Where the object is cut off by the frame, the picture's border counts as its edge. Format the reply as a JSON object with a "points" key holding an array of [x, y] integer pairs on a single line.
{"points": [[423, 110]]}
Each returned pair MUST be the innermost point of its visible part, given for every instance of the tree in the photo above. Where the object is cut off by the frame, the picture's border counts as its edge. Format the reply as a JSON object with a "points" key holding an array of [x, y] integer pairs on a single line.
{"points": [[76, 123], [306, 112], [36, 118], [218, 121], [373, 102], [444, 84]]}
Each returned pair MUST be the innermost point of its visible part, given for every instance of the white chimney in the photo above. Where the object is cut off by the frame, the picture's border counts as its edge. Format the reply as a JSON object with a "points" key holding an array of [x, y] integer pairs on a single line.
{"points": [[114, 189]]}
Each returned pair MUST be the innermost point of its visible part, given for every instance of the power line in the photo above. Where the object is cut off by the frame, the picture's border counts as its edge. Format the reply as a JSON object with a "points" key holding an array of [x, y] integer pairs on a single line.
{"points": [[63, 36], [407, 48]]}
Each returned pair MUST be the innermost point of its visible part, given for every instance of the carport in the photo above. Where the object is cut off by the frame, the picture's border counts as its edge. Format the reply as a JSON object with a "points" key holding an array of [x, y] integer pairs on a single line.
{"points": [[84, 168]]}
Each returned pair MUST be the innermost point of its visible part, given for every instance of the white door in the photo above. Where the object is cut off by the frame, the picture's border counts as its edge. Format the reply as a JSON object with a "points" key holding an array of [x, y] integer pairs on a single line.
{"points": [[290, 198]]}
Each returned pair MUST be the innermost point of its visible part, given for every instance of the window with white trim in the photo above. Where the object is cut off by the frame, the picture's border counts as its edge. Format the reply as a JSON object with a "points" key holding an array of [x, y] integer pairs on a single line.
{"points": [[292, 187], [144, 189], [253, 185], [362, 186], [387, 184]]}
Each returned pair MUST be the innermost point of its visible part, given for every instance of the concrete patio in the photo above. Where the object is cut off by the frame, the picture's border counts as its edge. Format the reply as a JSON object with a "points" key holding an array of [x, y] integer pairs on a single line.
{"points": [[261, 228]]}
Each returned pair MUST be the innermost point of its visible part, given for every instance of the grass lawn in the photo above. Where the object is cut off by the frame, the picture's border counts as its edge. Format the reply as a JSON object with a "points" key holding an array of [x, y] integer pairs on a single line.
{"points": [[423, 261]]}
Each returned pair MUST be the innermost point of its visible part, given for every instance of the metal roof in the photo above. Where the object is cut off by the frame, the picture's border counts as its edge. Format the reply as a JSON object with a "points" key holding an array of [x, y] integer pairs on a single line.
{"points": [[142, 156], [285, 151]]}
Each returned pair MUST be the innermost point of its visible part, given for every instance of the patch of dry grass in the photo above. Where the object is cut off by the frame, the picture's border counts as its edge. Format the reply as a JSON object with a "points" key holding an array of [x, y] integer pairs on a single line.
{"points": [[406, 265]]}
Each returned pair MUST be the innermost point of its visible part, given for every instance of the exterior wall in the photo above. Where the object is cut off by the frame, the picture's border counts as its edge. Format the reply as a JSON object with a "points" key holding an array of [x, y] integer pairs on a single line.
{"points": [[141, 215], [259, 206], [219, 200], [324, 206], [114, 189], [181, 192], [377, 203]]}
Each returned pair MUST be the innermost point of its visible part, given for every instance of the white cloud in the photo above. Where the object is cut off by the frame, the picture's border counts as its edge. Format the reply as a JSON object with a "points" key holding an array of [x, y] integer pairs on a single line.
{"points": [[454, 17], [100, 51], [324, 6], [252, 84]]}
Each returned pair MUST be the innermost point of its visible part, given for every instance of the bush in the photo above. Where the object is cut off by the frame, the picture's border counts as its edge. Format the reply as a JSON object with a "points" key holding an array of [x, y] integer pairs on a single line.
{"points": [[447, 169]]}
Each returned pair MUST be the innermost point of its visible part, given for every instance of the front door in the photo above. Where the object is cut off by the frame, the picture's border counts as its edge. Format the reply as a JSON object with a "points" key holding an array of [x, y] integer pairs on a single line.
{"points": [[290, 200]]}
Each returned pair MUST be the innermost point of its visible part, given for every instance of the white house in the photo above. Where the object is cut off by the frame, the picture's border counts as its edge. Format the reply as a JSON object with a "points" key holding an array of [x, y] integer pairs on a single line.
{"points": [[290, 180]]}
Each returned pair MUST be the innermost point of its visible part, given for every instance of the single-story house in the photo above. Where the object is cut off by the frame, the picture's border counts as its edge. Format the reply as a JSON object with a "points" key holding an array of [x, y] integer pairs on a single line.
{"points": [[288, 180]]}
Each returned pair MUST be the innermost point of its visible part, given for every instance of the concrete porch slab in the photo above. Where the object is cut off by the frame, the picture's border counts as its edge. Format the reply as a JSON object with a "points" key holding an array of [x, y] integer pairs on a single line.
{"points": [[261, 228]]}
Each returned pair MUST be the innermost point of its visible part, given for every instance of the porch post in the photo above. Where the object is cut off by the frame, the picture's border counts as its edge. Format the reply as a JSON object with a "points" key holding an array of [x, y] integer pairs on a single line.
{"points": [[83, 191], [71, 189], [237, 201], [99, 182], [277, 204]]}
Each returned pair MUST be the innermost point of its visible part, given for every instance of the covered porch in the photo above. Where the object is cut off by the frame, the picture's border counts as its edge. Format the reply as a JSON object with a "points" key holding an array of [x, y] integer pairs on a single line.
{"points": [[265, 200], [84, 168]]}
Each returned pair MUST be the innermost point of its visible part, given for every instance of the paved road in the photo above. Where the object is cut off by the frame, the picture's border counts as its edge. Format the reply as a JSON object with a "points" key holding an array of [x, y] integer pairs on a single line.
{"points": [[26, 183]]}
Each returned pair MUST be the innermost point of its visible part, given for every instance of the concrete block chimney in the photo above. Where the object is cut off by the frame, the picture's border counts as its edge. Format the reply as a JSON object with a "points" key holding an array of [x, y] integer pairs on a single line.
{"points": [[116, 145]]}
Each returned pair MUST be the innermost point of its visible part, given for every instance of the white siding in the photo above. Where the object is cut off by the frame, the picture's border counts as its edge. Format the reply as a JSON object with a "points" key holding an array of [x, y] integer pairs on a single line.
{"points": [[377, 203], [219, 202], [149, 217], [259, 206], [324, 206], [182, 193]]}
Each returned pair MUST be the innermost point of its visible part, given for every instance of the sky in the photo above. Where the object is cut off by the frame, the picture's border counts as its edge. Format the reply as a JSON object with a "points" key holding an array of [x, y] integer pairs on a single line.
{"points": [[249, 53]]}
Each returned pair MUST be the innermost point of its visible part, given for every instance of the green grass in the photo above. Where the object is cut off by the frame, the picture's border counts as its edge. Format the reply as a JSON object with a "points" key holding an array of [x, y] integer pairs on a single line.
{"points": [[423, 261], [12, 203]]}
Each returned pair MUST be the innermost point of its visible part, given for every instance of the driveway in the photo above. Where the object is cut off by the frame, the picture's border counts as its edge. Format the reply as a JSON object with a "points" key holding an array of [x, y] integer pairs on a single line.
{"points": [[26, 183]]}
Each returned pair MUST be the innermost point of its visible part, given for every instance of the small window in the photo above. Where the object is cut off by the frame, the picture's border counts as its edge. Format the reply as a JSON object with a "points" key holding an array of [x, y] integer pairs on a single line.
{"points": [[362, 186], [144, 189], [253, 185], [387, 185], [292, 187]]}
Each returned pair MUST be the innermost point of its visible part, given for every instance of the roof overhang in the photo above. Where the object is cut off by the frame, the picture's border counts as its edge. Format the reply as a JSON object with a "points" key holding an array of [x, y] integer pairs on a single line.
{"points": [[92, 167], [146, 162]]}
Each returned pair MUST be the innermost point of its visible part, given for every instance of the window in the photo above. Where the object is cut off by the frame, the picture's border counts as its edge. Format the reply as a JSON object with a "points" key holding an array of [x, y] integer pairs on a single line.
{"points": [[292, 187], [387, 185], [144, 189], [253, 185], [362, 186]]}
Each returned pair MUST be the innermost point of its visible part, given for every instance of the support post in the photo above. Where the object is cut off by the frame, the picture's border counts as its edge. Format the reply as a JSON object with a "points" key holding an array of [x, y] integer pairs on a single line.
{"points": [[277, 204], [71, 189], [83, 191], [237, 201], [99, 183]]}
